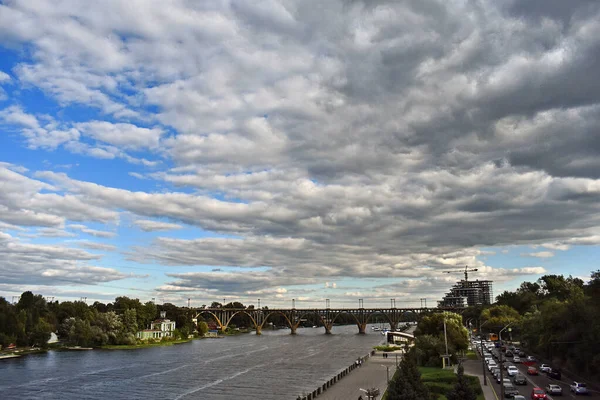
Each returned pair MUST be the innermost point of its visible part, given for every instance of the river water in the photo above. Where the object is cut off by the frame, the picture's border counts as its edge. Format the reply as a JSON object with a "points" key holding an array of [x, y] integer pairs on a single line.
{"points": [[275, 365]]}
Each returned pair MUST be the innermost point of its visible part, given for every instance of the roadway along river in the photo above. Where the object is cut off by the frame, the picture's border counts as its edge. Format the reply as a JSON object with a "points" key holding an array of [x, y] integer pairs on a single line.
{"points": [[275, 365]]}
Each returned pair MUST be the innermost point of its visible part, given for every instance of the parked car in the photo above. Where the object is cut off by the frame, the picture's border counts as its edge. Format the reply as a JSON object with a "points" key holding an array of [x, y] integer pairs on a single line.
{"points": [[520, 379], [554, 389], [554, 373], [512, 370], [579, 388], [516, 359], [538, 393], [545, 368], [510, 390], [532, 371]]}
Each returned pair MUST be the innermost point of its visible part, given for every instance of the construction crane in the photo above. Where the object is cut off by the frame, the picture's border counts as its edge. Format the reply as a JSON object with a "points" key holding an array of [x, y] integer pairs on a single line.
{"points": [[466, 271]]}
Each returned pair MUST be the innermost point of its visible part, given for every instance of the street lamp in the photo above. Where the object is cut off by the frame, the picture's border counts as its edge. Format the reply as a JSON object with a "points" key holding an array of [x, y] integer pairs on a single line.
{"points": [[482, 358], [500, 339]]}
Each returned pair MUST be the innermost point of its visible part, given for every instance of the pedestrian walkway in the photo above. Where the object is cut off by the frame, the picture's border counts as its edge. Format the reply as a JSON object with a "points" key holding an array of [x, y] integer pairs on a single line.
{"points": [[474, 367], [372, 373]]}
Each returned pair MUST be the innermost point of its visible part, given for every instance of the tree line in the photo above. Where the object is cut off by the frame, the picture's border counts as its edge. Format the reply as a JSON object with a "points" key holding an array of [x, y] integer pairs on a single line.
{"points": [[32, 319]]}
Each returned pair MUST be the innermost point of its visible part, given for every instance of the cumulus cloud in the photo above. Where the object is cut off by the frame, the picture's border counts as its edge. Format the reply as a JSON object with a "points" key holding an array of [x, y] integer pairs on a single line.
{"points": [[36, 264], [341, 140], [93, 232], [539, 254], [151, 226]]}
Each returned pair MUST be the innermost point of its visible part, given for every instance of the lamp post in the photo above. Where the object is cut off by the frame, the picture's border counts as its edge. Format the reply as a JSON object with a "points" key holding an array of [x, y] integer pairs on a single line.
{"points": [[482, 358], [501, 356]]}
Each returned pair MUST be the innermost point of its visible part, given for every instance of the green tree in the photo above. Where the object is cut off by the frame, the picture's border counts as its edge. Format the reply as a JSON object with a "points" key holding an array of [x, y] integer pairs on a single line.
{"points": [[461, 390], [499, 316], [407, 383], [202, 328]]}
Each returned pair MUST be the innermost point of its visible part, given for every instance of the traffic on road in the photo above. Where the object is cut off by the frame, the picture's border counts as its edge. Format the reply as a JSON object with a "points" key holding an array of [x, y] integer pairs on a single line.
{"points": [[523, 377]]}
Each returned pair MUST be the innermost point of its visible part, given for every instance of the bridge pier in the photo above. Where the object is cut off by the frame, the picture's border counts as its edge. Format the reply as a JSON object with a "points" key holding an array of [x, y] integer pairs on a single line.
{"points": [[362, 329], [328, 328], [294, 327], [259, 330]]}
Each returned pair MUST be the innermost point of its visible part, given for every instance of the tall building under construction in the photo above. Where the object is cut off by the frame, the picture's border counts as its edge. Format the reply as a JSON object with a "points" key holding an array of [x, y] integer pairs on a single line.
{"points": [[468, 293]]}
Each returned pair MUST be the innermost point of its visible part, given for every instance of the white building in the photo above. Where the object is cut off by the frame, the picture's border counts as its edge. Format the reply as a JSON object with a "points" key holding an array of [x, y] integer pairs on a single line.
{"points": [[159, 328]]}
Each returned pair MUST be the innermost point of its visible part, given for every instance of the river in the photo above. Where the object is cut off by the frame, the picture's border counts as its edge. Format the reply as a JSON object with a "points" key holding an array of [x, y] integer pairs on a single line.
{"points": [[275, 365]]}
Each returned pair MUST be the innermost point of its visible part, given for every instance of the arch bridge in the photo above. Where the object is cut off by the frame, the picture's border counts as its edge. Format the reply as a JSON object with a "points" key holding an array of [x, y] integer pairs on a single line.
{"points": [[327, 317]]}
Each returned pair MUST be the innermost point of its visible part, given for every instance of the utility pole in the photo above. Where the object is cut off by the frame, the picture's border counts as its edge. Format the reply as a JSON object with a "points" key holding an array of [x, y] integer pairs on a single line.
{"points": [[501, 366], [327, 303], [189, 302], [360, 303], [483, 359], [293, 304], [259, 304]]}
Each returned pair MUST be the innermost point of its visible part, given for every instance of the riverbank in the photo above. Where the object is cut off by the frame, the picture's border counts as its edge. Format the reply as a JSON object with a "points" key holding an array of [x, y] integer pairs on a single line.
{"points": [[143, 345]]}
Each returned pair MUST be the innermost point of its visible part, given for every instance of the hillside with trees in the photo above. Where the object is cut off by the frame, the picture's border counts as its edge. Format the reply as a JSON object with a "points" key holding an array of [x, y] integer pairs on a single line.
{"points": [[556, 318], [30, 321]]}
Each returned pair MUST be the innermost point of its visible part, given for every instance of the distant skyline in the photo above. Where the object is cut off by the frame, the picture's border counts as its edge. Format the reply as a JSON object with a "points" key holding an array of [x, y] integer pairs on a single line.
{"points": [[302, 150]]}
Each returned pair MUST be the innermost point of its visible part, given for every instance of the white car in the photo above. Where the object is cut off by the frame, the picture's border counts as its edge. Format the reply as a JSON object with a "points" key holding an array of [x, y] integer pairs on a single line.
{"points": [[492, 364], [516, 359], [544, 368], [554, 389], [579, 388], [512, 370]]}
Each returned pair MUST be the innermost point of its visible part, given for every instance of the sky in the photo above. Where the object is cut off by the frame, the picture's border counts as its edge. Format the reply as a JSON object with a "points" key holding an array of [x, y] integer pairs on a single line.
{"points": [[255, 149]]}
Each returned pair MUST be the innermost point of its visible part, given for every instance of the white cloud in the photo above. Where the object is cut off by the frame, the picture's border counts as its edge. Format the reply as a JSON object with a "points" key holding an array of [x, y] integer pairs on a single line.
{"points": [[324, 139], [151, 226], [93, 232], [539, 254]]}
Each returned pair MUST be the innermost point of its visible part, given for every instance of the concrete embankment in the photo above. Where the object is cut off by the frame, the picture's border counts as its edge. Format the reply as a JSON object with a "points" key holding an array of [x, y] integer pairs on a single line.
{"points": [[372, 372]]}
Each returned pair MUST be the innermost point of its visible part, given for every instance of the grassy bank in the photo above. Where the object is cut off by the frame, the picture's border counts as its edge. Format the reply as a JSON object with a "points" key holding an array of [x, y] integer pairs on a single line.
{"points": [[144, 345], [387, 348], [441, 381]]}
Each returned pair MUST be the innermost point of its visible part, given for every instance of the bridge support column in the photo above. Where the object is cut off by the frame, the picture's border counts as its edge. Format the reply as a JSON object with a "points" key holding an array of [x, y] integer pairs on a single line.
{"points": [[328, 328], [259, 330], [294, 327], [393, 326], [362, 329]]}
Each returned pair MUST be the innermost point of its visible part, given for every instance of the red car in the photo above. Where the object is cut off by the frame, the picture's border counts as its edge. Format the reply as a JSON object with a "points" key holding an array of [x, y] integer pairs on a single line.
{"points": [[538, 393], [532, 371]]}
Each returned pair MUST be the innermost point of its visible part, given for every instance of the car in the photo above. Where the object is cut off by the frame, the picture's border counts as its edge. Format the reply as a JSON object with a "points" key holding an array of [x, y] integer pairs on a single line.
{"points": [[554, 389], [516, 359], [579, 388], [545, 368], [531, 359], [520, 379], [538, 393], [532, 371], [509, 353], [509, 390], [512, 370], [519, 397], [492, 364], [554, 373], [521, 353], [506, 364]]}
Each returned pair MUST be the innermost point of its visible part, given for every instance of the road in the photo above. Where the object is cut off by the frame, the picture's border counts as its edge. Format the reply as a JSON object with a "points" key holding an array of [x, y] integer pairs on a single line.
{"points": [[541, 381]]}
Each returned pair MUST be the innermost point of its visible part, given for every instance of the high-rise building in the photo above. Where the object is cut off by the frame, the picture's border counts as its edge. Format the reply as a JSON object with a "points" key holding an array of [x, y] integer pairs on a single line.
{"points": [[467, 294]]}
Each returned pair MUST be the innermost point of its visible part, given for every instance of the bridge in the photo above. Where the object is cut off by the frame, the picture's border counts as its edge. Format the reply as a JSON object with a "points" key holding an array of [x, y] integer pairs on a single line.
{"points": [[327, 316]]}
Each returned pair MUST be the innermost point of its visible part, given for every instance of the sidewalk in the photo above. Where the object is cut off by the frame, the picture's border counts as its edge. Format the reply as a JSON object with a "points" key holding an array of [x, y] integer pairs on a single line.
{"points": [[372, 373], [474, 367]]}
